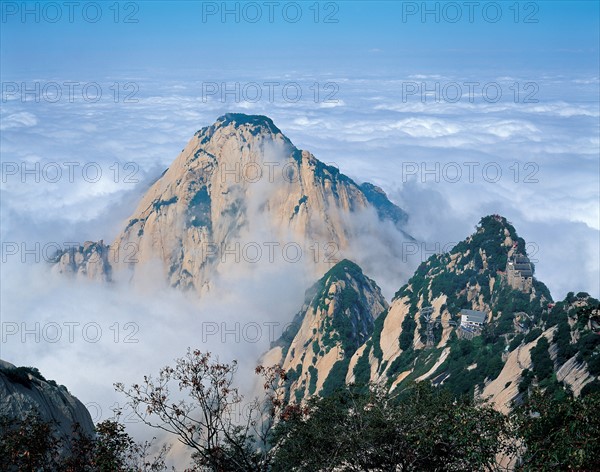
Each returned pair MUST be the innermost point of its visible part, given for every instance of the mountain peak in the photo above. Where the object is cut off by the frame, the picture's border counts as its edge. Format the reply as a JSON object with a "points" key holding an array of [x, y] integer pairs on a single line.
{"points": [[342, 268], [480, 257], [240, 123], [337, 317], [239, 119], [495, 221], [207, 200], [255, 123]]}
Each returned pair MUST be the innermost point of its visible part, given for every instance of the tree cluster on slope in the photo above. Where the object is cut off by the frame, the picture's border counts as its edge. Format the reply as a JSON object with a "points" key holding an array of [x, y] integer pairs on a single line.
{"points": [[355, 428], [30, 444]]}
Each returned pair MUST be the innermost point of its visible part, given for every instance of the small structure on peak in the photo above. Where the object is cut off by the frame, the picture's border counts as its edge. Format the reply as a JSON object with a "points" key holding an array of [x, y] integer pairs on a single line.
{"points": [[472, 318], [519, 273], [522, 322], [426, 314], [471, 323]]}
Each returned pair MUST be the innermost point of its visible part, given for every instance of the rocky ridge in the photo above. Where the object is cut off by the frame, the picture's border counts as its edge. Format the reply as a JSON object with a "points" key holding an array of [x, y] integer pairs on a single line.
{"points": [[526, 339], [240, 191], [337, 317]]}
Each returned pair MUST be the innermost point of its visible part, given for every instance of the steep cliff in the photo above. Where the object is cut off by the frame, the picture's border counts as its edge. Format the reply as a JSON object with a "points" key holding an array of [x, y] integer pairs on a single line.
{"points": [[24, 390], [460, 322], [336, 318], [241, 192]]}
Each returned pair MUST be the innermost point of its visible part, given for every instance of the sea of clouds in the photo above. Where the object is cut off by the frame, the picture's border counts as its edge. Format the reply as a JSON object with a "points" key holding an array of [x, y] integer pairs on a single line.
{"points": [[373, 128]]}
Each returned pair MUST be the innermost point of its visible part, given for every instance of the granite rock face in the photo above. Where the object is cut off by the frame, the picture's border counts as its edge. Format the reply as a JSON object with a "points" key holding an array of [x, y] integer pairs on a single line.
{"points": [[24, 390], [90, 261], [240, 191], [337, 317], [525, 340]]}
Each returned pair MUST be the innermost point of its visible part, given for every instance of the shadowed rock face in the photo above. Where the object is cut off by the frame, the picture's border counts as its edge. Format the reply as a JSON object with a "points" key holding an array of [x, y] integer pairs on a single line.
{"points": [[24, 391], [88, 261], [385, 209], [242, 181]]}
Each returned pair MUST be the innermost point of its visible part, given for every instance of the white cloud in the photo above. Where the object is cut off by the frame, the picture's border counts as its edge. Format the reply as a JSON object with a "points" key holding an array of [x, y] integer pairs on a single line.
{"points": [[18, 120], [372, 136]]}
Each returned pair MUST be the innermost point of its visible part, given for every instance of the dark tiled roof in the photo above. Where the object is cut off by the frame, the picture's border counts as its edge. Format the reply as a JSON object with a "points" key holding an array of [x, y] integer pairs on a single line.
{"points": [[474, 316]]}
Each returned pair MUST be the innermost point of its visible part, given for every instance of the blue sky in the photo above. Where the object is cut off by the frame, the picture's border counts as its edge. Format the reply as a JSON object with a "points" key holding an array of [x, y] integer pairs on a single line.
{"points": [[373, 35]]}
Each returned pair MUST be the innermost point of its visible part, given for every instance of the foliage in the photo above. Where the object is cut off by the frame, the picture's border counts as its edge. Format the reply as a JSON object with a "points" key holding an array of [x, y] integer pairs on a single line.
{"points": [[403, 362], [336, 378], [562, 339], [483, 358], [199, 209], [527, 377], [408, 328], [302, 200], [347, 428], [312, 385], [376, 336], [362, 369], [516, 342], [160, 203], [540, 357], [589, 350], [21, 375], [425, 429], [559, 435], [205, 418], [532, 335], [255, 121], [591, 388], [32, 444], [28, 444]]}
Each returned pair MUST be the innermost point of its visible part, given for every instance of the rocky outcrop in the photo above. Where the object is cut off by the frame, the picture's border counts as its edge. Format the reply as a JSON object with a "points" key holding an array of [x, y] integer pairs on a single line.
{"points": [[24, 390], [385, 209], [241, 192], [526, 341], [337, 318], [574, 374], [90, 261], [419, 336]]}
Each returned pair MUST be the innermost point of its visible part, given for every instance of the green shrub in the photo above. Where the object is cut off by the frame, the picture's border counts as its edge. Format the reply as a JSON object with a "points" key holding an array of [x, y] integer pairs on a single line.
{"points": [[336, 378], [543, 367]]}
